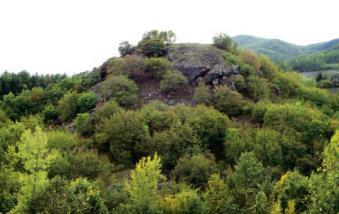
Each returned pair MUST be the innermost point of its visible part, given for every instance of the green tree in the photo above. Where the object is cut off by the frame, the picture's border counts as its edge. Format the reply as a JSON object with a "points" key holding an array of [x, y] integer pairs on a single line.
{"points": [[156, 67], [107, 110], [84, 124], [224, 42], [68, 106], [124, 133], [247, 180], [36, 157], [120, 88], [86, 101], [143, 186], [218, 196], [195, 169], [228, 101]]}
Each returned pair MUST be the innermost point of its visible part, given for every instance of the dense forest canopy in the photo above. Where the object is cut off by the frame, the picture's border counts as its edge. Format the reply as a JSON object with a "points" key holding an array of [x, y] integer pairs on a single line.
{"points": [[169, 128]]}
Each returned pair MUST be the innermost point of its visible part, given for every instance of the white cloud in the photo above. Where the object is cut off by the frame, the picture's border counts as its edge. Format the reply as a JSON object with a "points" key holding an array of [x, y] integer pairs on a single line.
{"points": [[70, 36]]}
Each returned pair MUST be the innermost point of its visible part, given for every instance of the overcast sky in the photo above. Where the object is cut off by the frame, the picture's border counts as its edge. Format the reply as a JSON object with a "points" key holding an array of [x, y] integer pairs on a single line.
{"points": [[71, 36]]}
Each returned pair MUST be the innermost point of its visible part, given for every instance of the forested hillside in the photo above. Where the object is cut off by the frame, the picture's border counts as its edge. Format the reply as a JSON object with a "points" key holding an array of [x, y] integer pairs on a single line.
{"points": [[169, 128], [317, 56]]}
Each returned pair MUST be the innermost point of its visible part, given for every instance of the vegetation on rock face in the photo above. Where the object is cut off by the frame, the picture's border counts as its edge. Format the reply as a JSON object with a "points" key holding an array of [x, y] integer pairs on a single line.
{"points": [[183, 128]]}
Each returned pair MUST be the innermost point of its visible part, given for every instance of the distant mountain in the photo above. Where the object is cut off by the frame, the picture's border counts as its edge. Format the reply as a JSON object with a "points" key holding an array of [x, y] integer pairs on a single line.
{"points": [[280, 50], [275, 48]]}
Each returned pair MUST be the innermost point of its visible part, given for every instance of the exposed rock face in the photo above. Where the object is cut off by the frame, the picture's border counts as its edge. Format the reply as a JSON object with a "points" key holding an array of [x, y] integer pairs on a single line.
{"points": [[205, 62], [195, 60]]}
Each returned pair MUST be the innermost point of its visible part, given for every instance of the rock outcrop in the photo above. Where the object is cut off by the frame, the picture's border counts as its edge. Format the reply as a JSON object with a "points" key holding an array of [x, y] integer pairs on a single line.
{"points": [[197, 61]]}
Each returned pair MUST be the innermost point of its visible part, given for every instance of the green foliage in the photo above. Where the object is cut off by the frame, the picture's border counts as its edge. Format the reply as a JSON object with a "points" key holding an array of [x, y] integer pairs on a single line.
{"points": [[195, 170], [187, 201], [36, 158], [258, 88], [210, 126], [50, 113], [157, 67], [154, 48], [143, 186], [167, 37], [125, 48], [173, 143], [218, 196], [86, 101], [124, 133], [120, 88], [202, 94], [172, 81], [228, 101], [223, 42], [107, 110], [84, 124], [68, 106], [293, 186], [247, 180]]}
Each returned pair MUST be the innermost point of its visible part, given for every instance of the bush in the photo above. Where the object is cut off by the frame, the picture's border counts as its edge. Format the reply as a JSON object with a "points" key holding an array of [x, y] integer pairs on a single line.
{"points": [[124, 133], [107, 110], [86, 101], [84, 124], [68, 106], [172, 81], [154, 48], [224, 42], [173, 143], [210, 126], [258, 88], [157, 67], [89, 164], [195, 170], [125, 48], [50, 113], [228, 101], [202, 94], [123, 90]]}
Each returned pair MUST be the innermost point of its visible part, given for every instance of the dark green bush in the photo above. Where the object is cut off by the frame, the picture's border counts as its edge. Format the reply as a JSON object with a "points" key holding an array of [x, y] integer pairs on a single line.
{"points": [[84, 124], [195, 170], [157, 67], [121, 89], [228, 101], [172, 81], [154, 48], [86, 101], [224, 42]]}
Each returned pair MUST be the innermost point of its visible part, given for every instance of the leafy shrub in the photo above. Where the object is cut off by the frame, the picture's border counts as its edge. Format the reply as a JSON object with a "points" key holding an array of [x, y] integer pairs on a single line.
{"points": [[228, 101], [173, 143], [288, 84], [154, 48], [156, 67], [68, 106], [195, 169], [172, 81], [258, 88], [107, 110], [202, 94], [210, 125], [223, 42], [89, 79], [89, 164], [125, 134], [50, 113], [250, 58], [86, 101], [123, 90], [125, 48], [84, 124]]}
